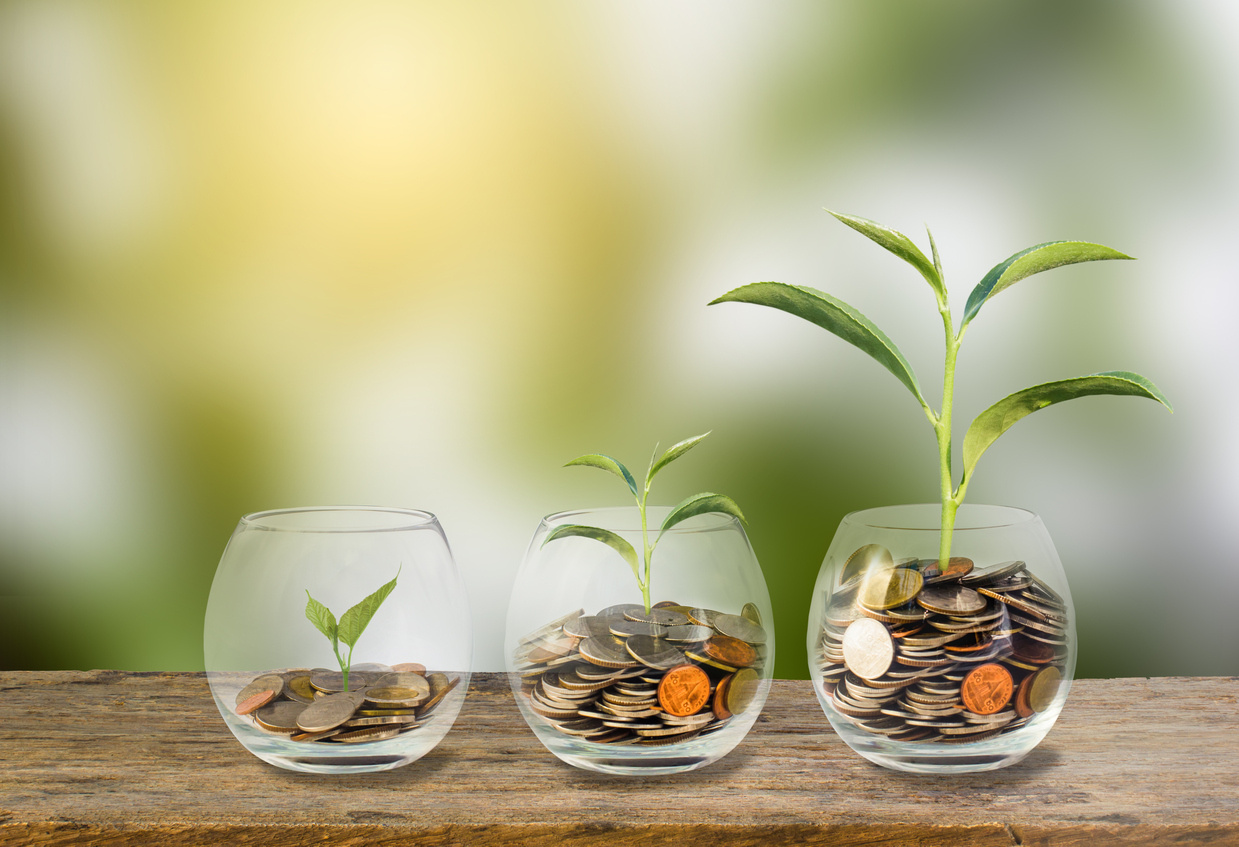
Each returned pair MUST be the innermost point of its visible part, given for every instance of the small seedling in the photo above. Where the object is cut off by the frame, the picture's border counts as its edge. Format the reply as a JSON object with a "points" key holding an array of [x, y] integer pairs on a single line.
{"points": [[850, 325], [698, 504], [352, 623]]}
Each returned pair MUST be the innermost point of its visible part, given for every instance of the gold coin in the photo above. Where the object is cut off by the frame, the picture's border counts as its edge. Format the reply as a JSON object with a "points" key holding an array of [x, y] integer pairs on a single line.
{"points": [[867, 558], [299, 689], [370, 733], [415, 681], [741, 690], [751, 612], [1043, 688], [397, 695], [886, 589]]}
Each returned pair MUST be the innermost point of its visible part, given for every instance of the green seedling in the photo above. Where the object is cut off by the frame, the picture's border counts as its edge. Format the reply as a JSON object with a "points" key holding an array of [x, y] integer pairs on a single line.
{"points": [[352, 623], [698, 504], [850, 325]]}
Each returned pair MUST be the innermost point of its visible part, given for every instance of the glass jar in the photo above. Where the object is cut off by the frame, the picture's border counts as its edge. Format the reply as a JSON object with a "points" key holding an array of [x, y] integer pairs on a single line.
{"points": [[606, 686], [269, 661], [932, 670]]}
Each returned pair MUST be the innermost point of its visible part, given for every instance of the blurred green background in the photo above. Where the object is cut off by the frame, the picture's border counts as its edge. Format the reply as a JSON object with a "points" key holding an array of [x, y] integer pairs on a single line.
{"points": [[265, 254]]}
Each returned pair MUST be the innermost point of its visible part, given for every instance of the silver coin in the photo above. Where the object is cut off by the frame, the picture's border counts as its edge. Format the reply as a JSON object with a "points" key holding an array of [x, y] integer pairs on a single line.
{"points": [[619, 610], [740, 628], [328, 713], [690, 633], [951, 599], [751, 612], [628, 628], [280, 716], [868, 648], [266, 682], [985, 576], [660, 617]]}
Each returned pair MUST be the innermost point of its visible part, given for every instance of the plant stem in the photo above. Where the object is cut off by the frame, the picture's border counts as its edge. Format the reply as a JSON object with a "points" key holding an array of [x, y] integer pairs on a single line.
{"points": [[943, 429], [344, 668], [645, 543]]}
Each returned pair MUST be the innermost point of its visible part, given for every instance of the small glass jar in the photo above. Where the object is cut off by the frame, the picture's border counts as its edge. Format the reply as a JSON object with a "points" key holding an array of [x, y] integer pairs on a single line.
{"points": [[606, 686], [408, 670], [933, 670]]}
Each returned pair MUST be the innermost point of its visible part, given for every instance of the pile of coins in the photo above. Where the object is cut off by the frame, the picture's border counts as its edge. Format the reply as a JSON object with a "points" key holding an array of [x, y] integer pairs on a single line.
{"points": [[313, 705], [625, 676], [915, 652]]}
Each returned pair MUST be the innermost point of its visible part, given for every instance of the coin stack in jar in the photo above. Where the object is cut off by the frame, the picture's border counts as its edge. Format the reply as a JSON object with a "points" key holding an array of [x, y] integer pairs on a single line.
{"points": [[916, 652], [625, 676], [314, 705]]}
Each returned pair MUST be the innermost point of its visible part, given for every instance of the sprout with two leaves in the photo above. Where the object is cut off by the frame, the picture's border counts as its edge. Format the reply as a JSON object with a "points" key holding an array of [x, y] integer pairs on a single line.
{"points": [[351, 625], [698, 504], [841, 319]]}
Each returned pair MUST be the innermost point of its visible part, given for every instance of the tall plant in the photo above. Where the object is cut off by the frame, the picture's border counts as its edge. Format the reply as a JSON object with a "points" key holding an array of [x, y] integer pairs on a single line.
{"points": [[850, 325]]}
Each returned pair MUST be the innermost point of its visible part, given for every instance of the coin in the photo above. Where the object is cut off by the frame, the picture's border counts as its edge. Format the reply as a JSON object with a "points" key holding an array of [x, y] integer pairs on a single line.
{"points": [[299, 689], [751, 612], [740, 628], [627, 628], [741, 689], [730, 651], [886, 589], [280, 716], [273, 682], [409, 667], [867, 558], [328, 713], [719, 703], [262, 698], [414, 681], [956, 567], [950, 599], [369, 733], [986, 689], [986, 576], [599, 652], [689, 633], [661, 617], [867, 648], [1043, 688], [654, 652], [398, 695], [684, 690], [618, 611], [665, 604]]}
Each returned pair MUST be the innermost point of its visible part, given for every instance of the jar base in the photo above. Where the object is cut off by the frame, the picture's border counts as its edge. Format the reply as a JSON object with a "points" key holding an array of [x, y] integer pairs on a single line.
{"points": [[911, 763]]}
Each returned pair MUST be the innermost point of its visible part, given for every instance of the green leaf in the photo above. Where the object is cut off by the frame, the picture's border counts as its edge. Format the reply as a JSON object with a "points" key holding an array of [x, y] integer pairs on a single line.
{"points": [[1001, 416], [1034, 260], [606, 463], [700, 504], [934, 248], [321, 617], [354, 622], [832, 315], [607, 537], [901, 246], [674, 452]]}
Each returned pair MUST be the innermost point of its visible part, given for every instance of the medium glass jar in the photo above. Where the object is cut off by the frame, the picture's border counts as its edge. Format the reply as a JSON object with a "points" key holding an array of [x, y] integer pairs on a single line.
{"points": [[942, 670], [272, 662], [606, 686]]}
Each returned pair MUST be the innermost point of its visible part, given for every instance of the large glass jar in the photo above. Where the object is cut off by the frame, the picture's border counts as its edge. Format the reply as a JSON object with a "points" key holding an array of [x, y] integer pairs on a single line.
{"points": [[606, 686], [279, 680], [942, 670]]}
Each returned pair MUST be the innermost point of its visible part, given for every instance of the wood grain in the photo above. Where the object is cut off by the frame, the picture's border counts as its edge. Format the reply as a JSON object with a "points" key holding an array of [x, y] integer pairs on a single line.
{"points": [[115, 758]]}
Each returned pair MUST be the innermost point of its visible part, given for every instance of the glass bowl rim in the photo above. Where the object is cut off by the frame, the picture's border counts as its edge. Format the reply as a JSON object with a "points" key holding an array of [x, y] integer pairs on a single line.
{"points": [[413, 519], [706, 522], [1014, 516]]}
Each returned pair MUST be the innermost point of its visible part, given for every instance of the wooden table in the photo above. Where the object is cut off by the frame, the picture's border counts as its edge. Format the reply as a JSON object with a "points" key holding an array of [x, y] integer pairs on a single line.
{"points": [[108, 757]]}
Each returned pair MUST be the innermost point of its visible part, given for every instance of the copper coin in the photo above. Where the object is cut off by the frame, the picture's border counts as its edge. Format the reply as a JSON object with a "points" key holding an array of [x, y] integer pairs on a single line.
{"points": [[262, 698], [886, 589], [987, 689], [409, 667], [953, 600], [730, 651], [869, 557], [956, 567], [720, 698], [683, 690], [1021, 698], [1027, 650]]}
